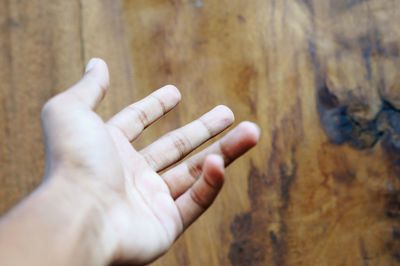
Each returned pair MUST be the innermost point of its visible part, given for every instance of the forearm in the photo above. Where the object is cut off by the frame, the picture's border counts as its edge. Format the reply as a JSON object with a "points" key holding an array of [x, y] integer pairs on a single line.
{"points": [[56, 225]]}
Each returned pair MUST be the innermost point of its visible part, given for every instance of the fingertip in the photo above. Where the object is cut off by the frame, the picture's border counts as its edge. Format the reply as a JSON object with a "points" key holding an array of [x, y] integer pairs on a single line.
{"points": [[94, 84], [95, 63], [174, 91], [215, 160], [251, 131], [97, 69], [214, 170], [228, 114], [91, 64], [169, 96]]}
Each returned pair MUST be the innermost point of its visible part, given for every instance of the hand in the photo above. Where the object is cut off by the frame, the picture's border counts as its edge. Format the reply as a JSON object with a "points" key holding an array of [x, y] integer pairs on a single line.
{"points": [[143, 209]]}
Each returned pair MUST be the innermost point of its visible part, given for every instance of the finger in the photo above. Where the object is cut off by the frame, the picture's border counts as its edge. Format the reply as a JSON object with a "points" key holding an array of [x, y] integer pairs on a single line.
{"points": [[91, 89], [203, 192], [178, 143], [136, 117], [230, 147]]}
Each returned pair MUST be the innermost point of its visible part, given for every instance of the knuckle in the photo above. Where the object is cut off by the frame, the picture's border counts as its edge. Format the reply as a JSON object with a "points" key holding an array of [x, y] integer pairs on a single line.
{"points": [[195, 170], [181, 143], [209, 129], [151, 161], [140, 115], [199, 199]]}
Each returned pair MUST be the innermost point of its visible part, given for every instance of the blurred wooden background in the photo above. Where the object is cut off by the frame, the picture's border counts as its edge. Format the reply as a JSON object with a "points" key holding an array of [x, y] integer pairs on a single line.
{"points": [[319, 77]]}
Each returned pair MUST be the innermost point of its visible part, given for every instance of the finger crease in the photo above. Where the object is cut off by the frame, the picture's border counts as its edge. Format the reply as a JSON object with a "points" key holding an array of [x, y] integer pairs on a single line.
{"points": [[212, 186], [182, 144], [197, 199], [194, 169], [209, 130], [162, 104], [142, 116], [150, 160]]}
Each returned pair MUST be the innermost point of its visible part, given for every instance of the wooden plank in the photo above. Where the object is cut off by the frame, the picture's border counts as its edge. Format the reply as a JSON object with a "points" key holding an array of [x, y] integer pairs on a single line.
{"points": [[320, 77], [37, 57], [316, 193], [44, 46]]}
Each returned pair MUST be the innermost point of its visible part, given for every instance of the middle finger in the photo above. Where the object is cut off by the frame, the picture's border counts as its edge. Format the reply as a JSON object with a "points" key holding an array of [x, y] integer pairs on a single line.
{"points": [[175, 145]]}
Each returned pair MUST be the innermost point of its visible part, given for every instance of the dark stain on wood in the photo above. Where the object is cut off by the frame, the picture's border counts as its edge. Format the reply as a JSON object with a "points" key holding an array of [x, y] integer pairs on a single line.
{"points": [[241, 19], [391, 144], [244, 85], [393, 205], [277, 247], [342, 5], [308, 4], [363, 252], [287, 176], [334, 118], [367, 50], [396, 233], [260, 235], [245, 249], [342, 127], [396, 256], [343, 175], [394, 247]]}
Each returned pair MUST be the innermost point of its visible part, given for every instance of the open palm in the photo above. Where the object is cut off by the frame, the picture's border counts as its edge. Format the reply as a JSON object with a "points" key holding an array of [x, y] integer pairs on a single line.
{"points": [[145, 210]]}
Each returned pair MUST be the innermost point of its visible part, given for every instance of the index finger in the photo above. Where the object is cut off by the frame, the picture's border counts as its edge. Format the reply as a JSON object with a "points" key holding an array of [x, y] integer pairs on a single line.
{"points": [[133, 119]]}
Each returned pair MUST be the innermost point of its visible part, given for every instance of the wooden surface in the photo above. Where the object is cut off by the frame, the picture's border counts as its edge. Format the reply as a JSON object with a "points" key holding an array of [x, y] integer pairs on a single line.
{"points": [[319, 76]]}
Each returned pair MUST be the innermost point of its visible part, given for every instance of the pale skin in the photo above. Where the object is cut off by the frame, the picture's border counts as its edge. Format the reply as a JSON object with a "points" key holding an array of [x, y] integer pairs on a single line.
{"points": [[104, 202]]}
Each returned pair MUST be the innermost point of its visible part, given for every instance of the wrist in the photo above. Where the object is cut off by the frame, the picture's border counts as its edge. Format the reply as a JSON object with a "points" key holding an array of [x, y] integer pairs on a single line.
{"points": [[79, 207], [64, 222]]}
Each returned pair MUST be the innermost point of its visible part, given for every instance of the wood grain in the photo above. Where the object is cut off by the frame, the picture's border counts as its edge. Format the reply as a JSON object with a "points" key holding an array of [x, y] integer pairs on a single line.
{"points": [[319, 77]]}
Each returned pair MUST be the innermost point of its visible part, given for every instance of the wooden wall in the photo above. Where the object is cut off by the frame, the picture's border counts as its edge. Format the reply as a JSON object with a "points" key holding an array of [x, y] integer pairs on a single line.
{"points": [[319, 77]]}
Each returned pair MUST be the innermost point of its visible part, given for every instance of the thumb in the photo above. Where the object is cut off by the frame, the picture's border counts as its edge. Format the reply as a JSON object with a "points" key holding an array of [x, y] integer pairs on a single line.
{"points": [[91, 89]]}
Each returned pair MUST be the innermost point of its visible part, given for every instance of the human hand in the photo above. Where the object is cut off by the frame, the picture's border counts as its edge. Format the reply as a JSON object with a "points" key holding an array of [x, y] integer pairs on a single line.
{"points": [[143, 209]]}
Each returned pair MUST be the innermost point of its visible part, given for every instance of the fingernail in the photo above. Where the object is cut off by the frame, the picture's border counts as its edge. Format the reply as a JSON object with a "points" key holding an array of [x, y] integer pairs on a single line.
{"points": [[90, 65]]}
